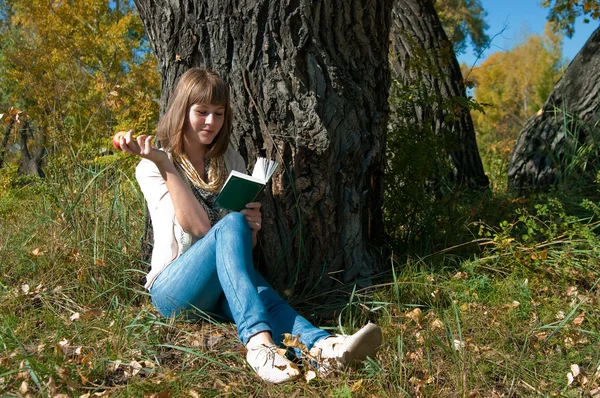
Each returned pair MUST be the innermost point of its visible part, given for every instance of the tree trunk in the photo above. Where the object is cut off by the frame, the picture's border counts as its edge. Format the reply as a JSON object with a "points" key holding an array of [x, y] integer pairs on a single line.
{"points": [[31, 164], [309, 83], [424, 63], [550, 147], [5, 138]]}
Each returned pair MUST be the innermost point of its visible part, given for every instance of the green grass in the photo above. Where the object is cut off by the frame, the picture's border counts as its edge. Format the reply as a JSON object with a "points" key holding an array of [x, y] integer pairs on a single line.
{"points": [[500, 299]]}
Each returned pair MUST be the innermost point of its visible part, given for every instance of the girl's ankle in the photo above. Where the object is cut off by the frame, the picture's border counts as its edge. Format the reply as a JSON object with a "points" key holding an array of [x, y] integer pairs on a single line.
{"points": [[260, 338]]}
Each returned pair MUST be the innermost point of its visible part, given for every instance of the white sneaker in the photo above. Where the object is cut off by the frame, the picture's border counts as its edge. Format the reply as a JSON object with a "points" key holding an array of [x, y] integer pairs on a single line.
{"points": [[336, 352], [272, 365]]}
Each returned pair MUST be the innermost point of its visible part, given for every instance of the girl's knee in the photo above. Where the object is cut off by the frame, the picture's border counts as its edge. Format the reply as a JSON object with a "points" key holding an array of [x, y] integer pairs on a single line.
{"points": [[234, 222]]}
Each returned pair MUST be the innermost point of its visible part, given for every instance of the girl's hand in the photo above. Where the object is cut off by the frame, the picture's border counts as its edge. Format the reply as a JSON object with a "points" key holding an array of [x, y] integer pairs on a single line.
{"points": [[141, 146], [254, 218]]}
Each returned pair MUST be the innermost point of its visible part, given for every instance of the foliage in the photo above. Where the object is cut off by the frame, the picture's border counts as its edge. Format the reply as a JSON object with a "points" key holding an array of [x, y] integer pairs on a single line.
{"points": [[79, 69], [515, 84], [464, 19], [563, 13], [520, 316]]}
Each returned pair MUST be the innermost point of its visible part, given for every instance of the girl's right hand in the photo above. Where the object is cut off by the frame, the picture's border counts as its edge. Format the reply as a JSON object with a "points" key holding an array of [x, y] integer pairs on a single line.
{"points": [[142, 146]]}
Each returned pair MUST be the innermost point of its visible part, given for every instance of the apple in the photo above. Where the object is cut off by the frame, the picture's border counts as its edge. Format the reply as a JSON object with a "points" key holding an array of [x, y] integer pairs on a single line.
{"points": [[116, 140]]}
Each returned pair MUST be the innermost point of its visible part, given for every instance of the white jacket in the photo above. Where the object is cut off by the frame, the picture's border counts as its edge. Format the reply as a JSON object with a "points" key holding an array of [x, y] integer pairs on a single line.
{"points": [[170, 240]]}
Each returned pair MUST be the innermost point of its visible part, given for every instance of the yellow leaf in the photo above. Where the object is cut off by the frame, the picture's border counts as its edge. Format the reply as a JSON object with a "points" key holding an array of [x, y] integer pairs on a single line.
{"points": [[437, 324], [37, 252], [356, 386], [415, 314], [100, 263]]}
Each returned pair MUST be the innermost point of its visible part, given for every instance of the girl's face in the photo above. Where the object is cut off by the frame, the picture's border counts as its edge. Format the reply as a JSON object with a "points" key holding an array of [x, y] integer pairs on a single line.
{"points": [[203, 123]]}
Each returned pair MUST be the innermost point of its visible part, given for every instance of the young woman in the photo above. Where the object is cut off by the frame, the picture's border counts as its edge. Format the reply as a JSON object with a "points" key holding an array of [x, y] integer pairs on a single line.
{"points": [[202, 255]]}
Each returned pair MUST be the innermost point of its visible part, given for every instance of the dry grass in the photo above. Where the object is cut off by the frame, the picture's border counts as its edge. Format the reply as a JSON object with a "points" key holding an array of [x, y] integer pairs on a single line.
{"points": [[510, 318]]}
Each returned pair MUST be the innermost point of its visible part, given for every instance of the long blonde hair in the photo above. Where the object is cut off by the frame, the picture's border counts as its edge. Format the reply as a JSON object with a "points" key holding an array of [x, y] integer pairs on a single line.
{"points": [[196, 86]]}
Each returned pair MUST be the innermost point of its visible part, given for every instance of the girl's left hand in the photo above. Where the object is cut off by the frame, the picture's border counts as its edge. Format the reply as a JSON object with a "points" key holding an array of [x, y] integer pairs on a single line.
{"points": [[253, 216]]}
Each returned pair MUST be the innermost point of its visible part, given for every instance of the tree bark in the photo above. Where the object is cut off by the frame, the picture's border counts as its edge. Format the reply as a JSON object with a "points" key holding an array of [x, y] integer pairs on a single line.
{"points": [[424, 62], [309, 83], [31, 163], [5, 138], [547, 149]]}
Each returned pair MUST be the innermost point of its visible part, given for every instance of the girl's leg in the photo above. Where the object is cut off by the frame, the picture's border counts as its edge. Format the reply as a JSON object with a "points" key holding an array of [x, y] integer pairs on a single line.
{"points": [[217, 265], [282, 317]]}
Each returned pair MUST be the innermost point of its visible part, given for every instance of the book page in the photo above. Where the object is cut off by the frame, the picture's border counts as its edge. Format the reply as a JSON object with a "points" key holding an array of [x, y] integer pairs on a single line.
{"points": [[264, 169]]}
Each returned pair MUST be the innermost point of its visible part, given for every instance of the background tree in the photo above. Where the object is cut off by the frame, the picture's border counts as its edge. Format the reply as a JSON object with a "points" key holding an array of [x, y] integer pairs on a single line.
{"points": [[561, 141], [78, 69], [425, 66], [514, 84], [309, 85], [564, 13], [464, 20]]}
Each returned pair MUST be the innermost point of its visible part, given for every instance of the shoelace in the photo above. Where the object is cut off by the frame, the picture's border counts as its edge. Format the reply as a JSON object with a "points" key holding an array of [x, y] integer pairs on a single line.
{"points": [[270, 353]]}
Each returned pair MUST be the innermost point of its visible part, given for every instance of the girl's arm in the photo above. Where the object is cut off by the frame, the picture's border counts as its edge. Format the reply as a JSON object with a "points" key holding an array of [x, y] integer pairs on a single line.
{"points": [[189, 213]]}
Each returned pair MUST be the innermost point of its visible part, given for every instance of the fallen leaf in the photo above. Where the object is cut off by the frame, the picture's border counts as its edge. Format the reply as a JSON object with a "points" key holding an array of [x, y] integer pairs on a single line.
{"points": [[75, 316], [25, 288], [437, 324], [310, 375], [37, 252], [461, 275], [356, 386], [560, 315], [92, 313], [570, 378], [579, 319], [575, 370], [24, 388], [458, 345], [288, 341], [415, 314], [419, 338], [162, 394], [100, 263], [571, 290]]}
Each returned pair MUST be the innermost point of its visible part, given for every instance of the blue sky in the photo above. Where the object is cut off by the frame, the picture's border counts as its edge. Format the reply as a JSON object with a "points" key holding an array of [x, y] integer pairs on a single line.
{"points": [[523, 17]]}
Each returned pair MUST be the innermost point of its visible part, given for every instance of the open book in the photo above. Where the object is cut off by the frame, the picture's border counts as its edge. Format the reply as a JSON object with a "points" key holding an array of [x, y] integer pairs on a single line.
{"points": [[241, 189]]}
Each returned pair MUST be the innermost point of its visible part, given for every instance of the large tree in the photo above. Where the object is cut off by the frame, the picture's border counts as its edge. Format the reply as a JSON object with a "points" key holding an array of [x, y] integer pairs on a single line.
{"points": [[552, 142], [309, 83], [425, 65]]}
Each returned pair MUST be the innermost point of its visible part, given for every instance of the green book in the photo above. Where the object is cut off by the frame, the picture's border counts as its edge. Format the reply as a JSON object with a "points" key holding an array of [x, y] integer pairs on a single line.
{"points": [[241, 189]]}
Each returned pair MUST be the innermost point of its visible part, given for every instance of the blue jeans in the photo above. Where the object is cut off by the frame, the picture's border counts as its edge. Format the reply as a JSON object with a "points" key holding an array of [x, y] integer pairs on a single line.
{"points": [[217, 275]]}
